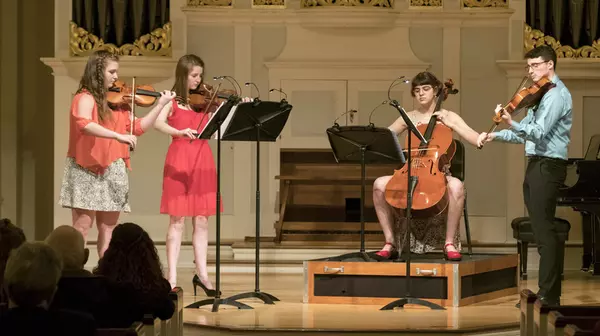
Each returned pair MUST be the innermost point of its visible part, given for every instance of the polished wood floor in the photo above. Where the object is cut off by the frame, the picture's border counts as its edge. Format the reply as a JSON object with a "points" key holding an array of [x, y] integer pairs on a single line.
{"points": [[290, 314]]}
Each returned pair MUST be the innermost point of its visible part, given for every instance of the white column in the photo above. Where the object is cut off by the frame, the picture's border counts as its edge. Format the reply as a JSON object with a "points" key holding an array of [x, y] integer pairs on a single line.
{"points": [[451, 64], [515, 29], [9, 182]]}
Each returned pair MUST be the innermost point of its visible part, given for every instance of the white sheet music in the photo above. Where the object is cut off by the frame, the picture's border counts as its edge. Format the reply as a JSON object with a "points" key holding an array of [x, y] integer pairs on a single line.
{"points": [[225, 123]]}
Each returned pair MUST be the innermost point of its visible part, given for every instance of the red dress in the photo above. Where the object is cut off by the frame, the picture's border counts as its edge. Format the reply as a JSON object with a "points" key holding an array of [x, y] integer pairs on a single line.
{"points": [[189, 176]]}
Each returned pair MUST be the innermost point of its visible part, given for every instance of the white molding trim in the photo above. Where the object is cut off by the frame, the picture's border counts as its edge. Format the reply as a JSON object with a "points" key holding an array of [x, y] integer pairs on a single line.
{"points": [[129, 66], [567, 68], [348, 17]]}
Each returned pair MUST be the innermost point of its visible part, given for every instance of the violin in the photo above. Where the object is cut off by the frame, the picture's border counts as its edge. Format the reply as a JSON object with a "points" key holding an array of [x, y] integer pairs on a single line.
{"points": [[523, 98], [206, 99], [430, 193], [120, 94]]}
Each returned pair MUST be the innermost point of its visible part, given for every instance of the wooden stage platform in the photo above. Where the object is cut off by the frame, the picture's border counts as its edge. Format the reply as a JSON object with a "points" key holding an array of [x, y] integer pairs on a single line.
{"points": [[291, 316]]}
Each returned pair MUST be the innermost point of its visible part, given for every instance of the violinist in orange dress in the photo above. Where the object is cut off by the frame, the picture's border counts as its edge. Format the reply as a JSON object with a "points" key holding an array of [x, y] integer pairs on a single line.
{"points": [[546, 133], [95, 183], [189, 175], [431, 233]]}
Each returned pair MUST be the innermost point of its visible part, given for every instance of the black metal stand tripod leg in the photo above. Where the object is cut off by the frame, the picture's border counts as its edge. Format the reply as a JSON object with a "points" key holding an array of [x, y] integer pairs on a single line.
{"points": [[363, 253], [408, 299], [217, 301], [265, 297]]}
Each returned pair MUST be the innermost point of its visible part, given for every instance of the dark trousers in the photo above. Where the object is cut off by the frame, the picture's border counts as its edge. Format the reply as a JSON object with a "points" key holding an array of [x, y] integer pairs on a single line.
{"points": [[543, 178]]}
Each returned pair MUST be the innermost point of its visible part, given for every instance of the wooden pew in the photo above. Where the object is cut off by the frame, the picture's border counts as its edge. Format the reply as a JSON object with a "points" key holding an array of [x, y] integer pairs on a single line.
{"points": [[136, 329], [557, 322], [573, 330], [174, 325], [151, 325], [527, 301], [319, 198], [540, 314]]}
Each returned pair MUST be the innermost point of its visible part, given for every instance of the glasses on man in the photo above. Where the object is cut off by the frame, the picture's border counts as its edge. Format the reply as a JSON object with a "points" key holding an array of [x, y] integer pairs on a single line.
{"points": [[534, 65]]}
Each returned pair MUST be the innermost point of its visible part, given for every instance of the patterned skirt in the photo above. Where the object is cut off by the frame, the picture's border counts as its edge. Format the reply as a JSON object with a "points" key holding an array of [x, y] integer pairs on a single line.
{"points": [[82, 189]]}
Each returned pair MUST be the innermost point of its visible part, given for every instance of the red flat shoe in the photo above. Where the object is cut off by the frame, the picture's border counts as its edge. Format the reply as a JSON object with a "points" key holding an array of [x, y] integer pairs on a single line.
{"points": [[451, 255], [391, 254]]}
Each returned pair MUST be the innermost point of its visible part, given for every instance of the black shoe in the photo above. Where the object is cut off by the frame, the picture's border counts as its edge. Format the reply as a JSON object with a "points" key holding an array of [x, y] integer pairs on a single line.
{"points": [[209, 292], [546, 301]]}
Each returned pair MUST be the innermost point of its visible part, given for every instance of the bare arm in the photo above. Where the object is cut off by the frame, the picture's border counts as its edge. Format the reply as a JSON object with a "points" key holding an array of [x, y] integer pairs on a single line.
{"points": [[85, 107], [161, 124], [150, 119], [161, 121], [398, 126], [463, 130]]}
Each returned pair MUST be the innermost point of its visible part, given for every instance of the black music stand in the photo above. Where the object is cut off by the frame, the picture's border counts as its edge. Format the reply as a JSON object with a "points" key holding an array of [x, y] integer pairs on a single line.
{"points": [[257, 121], [412, 182], [364, 144], [214, 124]]}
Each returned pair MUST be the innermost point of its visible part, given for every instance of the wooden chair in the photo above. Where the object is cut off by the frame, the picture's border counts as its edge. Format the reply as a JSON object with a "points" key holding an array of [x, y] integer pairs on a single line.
{"points": [[137, 328], [573, 330], [174, 325], [152, 325], [528, 299], [541, 312], [557, 322]]}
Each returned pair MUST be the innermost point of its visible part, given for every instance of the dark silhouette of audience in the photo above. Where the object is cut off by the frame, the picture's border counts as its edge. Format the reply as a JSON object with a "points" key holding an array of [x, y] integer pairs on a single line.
{"points": [[49, 292], [30, 279], [79, 289], [11, 237], [135, 276]]}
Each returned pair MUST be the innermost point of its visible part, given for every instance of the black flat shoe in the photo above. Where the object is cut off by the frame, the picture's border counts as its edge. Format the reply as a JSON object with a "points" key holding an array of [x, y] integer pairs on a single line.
{"points": [[209, 292]]}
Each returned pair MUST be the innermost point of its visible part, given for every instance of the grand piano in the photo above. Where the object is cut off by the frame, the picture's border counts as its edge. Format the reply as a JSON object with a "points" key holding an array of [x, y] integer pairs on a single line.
{"points": [[582, 193]]}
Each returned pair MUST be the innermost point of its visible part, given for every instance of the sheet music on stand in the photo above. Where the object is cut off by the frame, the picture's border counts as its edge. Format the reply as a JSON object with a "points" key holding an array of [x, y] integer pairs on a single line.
{"points": [[225, 123]]}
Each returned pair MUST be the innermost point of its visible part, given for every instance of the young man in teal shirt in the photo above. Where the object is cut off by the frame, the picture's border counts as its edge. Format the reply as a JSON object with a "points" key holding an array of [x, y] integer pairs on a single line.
{"points": [[546, 133]]}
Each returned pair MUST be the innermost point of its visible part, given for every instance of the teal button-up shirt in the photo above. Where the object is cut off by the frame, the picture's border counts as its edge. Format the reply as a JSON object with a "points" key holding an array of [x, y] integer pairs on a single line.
{"points": [[546, 129]]}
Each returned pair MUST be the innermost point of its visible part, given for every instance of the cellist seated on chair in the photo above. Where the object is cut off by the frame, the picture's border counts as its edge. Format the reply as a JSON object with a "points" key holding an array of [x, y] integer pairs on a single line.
{"points": [[428, 234]]}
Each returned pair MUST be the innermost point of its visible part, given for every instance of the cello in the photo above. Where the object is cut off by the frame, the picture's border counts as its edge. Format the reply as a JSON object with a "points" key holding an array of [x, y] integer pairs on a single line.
{"points": [[430, 194]]}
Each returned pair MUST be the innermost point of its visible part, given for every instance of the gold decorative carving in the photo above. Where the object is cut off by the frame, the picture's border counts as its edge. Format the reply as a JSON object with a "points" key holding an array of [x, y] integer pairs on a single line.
{"points": [[352, 3], [268, 3], [157, 43], [210, 3], [535, 38], [426, 3], [485, 3]]}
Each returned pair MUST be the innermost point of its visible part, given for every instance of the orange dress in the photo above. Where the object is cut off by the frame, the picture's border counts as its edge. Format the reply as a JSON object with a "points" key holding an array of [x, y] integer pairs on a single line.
{"points": [[190, 175]]}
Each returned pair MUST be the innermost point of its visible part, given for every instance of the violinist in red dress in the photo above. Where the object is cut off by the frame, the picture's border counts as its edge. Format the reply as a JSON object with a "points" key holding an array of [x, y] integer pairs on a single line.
{"points": [[189, 176]]}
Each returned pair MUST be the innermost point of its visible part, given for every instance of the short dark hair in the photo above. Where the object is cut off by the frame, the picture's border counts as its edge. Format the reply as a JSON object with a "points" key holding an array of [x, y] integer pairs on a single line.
{"points": [[546, 52], [425, 78]]}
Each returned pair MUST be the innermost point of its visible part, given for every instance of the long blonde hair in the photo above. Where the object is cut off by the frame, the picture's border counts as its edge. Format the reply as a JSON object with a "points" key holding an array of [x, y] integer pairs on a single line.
{"points": [[93, 80]]}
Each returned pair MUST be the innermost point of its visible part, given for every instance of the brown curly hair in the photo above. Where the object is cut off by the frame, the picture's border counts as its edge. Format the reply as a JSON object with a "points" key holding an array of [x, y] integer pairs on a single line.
{"points": [[132, 258], [93, 80]]}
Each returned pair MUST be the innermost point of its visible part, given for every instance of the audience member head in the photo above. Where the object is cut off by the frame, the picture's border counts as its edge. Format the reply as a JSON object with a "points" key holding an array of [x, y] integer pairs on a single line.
{"points": [[31, 276], [11, 237], [131, 258], [69, 244]]}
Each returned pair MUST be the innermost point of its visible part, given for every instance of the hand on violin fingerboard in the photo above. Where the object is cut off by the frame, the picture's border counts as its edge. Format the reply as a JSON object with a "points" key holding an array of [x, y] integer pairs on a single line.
{"points": [[506, 117]]}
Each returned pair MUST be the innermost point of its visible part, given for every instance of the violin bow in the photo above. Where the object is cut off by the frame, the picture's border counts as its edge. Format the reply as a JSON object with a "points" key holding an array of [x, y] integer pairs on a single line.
{"points": [[132, 111], [212, 98]]}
